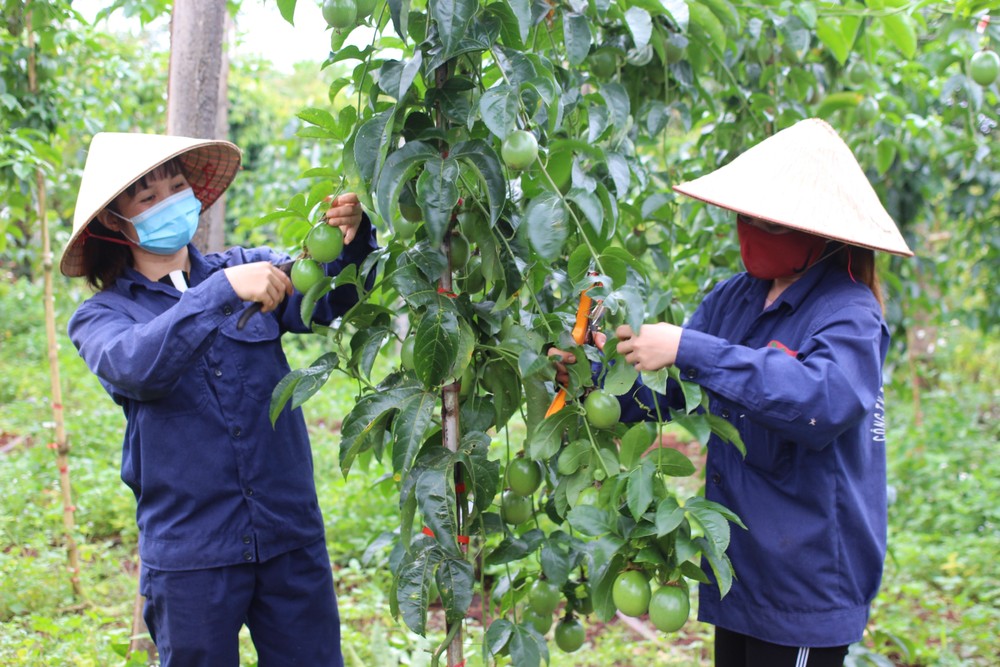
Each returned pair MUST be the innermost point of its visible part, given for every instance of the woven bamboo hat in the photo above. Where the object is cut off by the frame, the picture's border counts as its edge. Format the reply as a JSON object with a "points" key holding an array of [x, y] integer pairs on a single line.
{"points": [[804, 177], [116, 160]]}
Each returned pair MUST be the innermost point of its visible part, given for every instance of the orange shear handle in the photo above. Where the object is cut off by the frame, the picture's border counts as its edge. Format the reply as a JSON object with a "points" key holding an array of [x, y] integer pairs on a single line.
{"points": [[580, 328]]}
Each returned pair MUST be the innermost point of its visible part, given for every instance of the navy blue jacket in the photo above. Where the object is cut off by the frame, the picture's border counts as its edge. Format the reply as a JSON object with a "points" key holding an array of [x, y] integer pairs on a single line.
{"points": [[802, 381], [215, 484]]}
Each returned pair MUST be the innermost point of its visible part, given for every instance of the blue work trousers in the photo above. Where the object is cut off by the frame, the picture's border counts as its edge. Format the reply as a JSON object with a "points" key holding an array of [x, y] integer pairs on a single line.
{"points": [[287, 602]]}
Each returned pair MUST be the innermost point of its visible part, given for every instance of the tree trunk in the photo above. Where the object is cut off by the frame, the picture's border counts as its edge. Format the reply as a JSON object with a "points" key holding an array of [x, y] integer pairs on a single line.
{"points": [[196, 90]]}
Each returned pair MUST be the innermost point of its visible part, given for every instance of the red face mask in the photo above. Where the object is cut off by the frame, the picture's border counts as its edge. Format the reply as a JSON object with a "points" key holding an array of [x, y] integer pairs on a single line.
{"points": [[768, 256]]}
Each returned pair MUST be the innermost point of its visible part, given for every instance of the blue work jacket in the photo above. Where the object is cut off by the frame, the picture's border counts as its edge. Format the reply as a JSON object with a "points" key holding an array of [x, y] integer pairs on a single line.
{"points": [[802, 382], [215, 484]]}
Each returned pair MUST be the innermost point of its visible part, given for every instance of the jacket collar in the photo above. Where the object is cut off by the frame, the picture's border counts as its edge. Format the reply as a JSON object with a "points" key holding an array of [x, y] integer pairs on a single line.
{"points": [[797, 292], [201, 267]]}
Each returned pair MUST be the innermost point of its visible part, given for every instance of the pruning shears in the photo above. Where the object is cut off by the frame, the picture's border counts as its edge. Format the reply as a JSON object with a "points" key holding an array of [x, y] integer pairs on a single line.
{"points": [[286, 268], [588, 316]]}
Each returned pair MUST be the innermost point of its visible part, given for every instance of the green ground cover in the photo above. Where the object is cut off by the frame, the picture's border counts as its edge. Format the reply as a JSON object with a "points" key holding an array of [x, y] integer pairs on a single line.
{"points": [[940, 602]]}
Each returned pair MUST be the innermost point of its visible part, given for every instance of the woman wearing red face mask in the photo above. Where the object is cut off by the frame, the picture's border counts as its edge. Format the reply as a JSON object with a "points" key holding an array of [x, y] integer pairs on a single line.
{"points": [[791, 354]]}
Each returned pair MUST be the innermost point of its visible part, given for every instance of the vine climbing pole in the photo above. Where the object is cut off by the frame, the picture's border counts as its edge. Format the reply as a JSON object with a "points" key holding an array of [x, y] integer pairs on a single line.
{"points": [[451, 434], [61, 442]]}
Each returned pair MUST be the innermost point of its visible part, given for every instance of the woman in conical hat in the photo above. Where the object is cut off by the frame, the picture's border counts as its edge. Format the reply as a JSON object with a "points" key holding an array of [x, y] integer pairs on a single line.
{"points": [[230, 530], [791, 355]]}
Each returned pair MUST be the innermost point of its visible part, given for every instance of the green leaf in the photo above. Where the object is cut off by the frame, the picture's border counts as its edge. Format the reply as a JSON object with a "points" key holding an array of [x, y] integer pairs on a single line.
{"points": [[498, 635], [590, 206], [399, 168], [527, 647], [452, 18], [413, 586], [720, 564], [437, 194], [885, 154], [669, 516], [837, 101], [701, 501], [576, 36], [485, 473], [546, 439], [807, 12], [590, 520], [287, 9], [436, 347], [366, 420], [620, 378], [365, 346], [577, 454], [481, 155], [546, 222], [640, 24], [635, 442], [693, 572], [640, 489], [498, 108], [556, 559], [671, 462], [514, 548], [727, 432], [706, 27], [319, 117], [505, 383], [314, 294], [692, 392], [522, 11], [456, 580], [617, 99], [901, 30], [831, 34], [301, 384], [370, 144], [410, 428], [601, 583], [715, 526], [436, 498]]}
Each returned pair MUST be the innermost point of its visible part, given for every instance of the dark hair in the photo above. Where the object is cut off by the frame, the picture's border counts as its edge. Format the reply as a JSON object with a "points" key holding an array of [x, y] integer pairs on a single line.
{"points": [[860, 265], [104, 261]]}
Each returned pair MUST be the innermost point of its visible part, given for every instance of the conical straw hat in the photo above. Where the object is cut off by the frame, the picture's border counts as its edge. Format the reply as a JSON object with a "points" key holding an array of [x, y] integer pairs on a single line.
{"points": [[804, 177], [116, 160]]}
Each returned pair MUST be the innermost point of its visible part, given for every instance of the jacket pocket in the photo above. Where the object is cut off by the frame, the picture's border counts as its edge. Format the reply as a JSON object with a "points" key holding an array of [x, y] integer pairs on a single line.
{"points": [[256, 352], [766, 452]]}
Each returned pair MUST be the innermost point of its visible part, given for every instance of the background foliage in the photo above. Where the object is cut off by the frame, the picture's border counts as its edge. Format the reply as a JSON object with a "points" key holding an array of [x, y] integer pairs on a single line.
{"points": [[658, 101]]}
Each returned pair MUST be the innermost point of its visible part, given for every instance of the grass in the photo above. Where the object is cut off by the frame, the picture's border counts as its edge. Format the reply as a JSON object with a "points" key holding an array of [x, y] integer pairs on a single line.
{"points": [[938, 606]]}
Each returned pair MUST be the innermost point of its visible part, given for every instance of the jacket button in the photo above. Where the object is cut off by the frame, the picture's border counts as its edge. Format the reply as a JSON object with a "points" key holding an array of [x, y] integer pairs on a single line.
{"points": [[227, 310], [716, 478], [690, 374], [246, 539], [247, 556], [218, 372], [249, 492], [237, 432], [725, 413]]}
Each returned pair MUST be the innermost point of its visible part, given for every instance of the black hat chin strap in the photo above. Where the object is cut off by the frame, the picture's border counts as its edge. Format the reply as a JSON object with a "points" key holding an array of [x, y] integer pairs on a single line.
{"points": [[805, 267]]}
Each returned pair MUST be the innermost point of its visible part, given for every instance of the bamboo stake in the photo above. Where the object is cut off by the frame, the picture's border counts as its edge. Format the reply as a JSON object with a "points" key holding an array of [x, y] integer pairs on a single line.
{"points": [[61, 444], [451, 434]]}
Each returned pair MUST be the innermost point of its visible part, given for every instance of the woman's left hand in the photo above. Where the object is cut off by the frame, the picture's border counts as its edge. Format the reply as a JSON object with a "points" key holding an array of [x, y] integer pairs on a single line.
{"points": [[344, 212], [653, 348]]}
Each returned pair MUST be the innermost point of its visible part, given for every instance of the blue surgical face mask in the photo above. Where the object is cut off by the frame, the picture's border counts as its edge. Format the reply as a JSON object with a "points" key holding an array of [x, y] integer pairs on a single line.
{"points": [[169, 225]]}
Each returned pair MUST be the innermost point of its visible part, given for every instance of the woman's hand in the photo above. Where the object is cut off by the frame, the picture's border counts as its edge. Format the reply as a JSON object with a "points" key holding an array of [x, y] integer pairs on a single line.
{"points": [[344, 212], [562, 358], [653, 348], [260, 282]]}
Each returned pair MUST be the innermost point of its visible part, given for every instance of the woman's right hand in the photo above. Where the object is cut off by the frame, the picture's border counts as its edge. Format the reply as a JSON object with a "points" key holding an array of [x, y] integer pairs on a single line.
{"points": [[260, 282]]}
